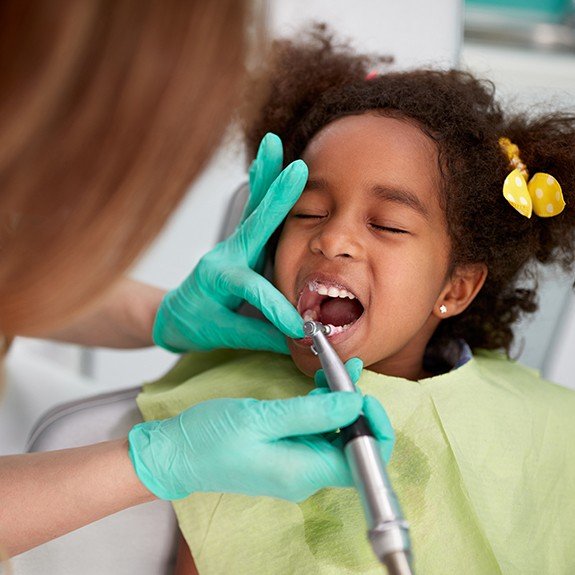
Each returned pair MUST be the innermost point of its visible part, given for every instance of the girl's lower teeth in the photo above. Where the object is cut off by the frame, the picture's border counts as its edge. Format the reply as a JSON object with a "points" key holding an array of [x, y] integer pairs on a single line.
{"points": [[310, 315], [334, 329]]}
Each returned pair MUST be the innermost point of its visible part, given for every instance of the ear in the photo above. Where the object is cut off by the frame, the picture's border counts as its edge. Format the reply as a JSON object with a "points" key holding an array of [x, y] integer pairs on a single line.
{"points": [[460, 290]]}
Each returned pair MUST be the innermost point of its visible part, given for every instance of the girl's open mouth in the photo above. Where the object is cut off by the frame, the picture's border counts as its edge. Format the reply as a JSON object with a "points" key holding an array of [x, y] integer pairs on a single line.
{"points": [[330, 304]]}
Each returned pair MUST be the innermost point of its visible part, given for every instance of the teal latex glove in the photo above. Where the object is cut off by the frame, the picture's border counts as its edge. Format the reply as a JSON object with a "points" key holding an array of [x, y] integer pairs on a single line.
{"points": [[372, 409], [200, 314], [246, 446]]}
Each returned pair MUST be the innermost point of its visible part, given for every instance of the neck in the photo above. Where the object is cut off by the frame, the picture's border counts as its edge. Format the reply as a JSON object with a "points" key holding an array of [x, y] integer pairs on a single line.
{"points": [[406, 363]]}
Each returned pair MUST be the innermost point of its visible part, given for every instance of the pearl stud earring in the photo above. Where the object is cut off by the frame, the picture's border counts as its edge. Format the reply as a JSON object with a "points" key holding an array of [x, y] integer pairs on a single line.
{"points": [[442, 309]]}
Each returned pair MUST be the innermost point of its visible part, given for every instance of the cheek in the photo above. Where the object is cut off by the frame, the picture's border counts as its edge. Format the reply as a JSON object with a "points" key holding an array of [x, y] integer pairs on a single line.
{"points": [[284, 262], [435, 268], [423, 272]]}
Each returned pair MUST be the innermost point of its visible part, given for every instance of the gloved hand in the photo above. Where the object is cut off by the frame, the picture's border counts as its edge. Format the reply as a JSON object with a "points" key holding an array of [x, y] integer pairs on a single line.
{"points": [[246, 446], [200, 313], [372, 409]]}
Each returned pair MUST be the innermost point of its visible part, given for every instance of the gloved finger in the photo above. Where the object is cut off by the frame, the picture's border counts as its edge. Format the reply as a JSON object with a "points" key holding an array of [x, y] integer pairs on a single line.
{"points": [[354, 367], [306, 415], [240, 332], [319, 391], [329, 470], [380, 425], [252, 236], [259, 292], [263, 171], [333, 437]]}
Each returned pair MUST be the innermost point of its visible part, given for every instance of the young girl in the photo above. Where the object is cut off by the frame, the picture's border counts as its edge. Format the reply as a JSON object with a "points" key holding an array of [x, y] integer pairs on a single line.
{"points": [[416, 237]]}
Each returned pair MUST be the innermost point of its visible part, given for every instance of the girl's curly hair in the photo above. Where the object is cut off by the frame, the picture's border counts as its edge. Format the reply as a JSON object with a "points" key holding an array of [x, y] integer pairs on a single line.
{"points": [[308, 84]]}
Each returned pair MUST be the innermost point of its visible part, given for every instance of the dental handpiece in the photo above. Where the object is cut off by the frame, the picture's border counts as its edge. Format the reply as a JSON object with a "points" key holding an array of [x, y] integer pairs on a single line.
{"points": [[387, 530]]}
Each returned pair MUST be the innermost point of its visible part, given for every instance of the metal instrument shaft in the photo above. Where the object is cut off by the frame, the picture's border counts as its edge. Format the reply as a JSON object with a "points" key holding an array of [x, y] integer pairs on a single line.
{"points": [[388, 532]]}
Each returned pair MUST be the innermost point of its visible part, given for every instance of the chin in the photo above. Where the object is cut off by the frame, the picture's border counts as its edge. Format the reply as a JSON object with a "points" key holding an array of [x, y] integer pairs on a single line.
{"points": [[307, 362], [304, 359]]}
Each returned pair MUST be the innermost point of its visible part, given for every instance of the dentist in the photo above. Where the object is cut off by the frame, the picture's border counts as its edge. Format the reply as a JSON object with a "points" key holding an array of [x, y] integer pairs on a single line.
{"points": [[108, 111]]}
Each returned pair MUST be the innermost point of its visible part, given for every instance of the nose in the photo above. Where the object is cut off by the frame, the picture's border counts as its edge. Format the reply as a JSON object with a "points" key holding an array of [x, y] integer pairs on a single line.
{"points": [[337, 239]]}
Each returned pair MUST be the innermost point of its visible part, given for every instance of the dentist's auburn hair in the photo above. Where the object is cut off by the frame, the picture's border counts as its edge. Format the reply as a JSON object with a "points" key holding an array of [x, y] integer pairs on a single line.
{"points": [[313, 81], [108, 110]]}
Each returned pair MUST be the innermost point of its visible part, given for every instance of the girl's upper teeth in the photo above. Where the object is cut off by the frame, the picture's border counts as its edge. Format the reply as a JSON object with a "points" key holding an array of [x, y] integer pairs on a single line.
{"points": [[331, 291]]}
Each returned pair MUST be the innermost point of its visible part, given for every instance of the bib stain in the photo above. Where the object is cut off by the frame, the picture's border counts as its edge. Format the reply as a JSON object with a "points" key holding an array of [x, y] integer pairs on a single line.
{"points": [[334, 523]]}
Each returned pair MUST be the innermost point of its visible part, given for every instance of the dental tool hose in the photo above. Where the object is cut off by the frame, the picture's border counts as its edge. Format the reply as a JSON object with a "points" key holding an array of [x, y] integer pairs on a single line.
{"points": [[388, 532]]}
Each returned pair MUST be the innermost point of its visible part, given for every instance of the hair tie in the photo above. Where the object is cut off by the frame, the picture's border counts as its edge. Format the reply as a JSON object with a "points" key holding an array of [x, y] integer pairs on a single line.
{"points": [[541, 195]]}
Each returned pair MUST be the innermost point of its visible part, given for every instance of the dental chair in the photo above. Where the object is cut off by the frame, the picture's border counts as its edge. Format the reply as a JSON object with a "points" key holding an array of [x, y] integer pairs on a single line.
{"points": [[139, 540], [142, 540]]}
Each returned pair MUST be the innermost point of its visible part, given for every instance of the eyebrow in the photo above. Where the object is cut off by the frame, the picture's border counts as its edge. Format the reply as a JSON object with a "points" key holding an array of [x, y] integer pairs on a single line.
{"points": [[400, 196], [316, 184], [386, 193]]}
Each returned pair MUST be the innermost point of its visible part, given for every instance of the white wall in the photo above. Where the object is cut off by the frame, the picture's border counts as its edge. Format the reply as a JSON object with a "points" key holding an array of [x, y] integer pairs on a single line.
{"points": [[415, 32]]}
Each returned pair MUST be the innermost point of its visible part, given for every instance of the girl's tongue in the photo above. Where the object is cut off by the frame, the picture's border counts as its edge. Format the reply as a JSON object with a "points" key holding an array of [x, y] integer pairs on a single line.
{"points": [[339, 311]]}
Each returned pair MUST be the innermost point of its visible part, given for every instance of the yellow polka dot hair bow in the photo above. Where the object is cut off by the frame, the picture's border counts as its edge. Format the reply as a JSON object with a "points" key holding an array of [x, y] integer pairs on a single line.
{"points": [[541, 195]]}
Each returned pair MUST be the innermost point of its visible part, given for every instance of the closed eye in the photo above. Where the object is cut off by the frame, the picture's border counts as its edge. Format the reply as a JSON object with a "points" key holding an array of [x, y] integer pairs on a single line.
{"points": [[307, 216], [388, 229]]}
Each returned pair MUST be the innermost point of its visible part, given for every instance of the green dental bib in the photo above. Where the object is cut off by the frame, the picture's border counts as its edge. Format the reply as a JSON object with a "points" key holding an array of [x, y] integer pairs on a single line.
{"points": [[484, 467]]}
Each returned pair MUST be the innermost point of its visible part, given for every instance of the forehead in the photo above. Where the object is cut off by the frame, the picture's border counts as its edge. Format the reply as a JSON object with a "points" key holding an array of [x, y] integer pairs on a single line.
{"points": [[382, 149]]}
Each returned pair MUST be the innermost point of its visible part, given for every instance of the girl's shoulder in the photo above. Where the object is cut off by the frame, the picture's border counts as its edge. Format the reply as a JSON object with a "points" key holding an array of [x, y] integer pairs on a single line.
{"points": [[498, 370]]}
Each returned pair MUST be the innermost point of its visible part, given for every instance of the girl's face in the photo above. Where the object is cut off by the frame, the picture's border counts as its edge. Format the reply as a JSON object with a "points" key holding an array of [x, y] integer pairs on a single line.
{"points": [[366, 246]]}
